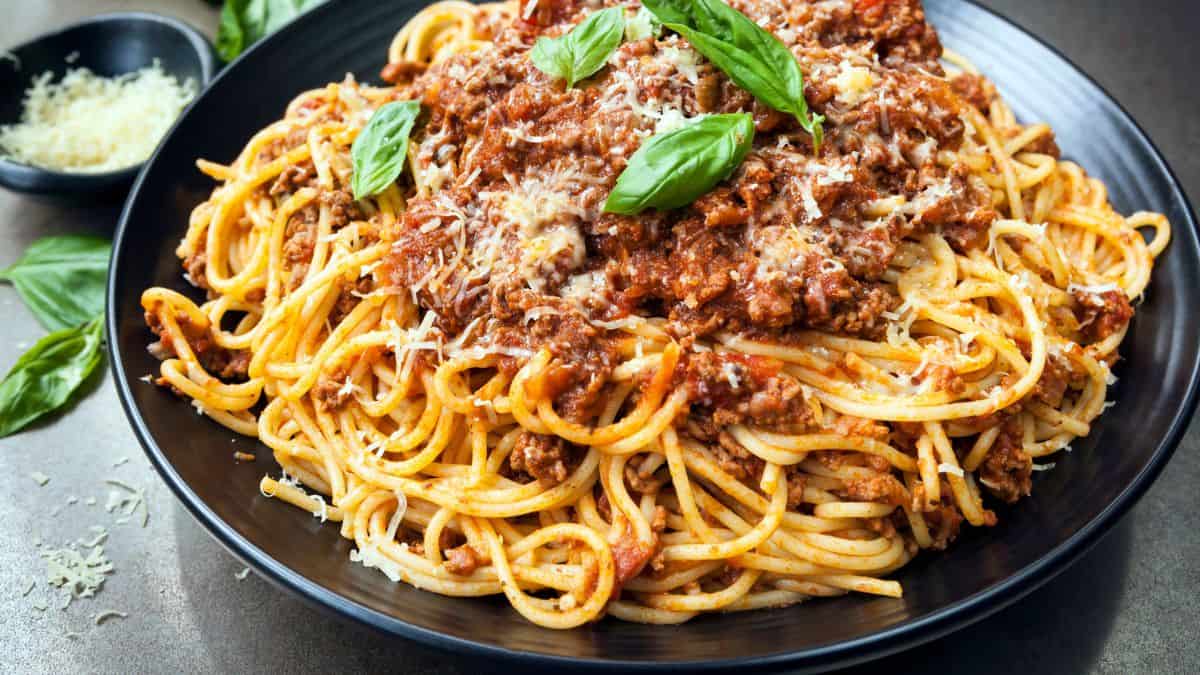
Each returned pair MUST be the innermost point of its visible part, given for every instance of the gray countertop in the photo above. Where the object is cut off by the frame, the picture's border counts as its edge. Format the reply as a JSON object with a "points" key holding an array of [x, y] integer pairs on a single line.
{"points": [[1130, 605]]}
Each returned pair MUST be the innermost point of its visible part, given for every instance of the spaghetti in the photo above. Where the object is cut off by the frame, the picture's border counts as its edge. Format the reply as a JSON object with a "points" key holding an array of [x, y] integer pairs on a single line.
{"points": [[784, 390]]}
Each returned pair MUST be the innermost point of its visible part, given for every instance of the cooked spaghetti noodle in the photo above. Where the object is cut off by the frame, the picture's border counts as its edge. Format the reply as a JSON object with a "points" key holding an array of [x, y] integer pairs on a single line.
{"points": [[784, 390]]}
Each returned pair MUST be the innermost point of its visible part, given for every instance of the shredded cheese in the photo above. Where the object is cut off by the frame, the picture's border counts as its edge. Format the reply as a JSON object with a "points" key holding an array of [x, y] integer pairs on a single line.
{"points": [[950, 469], [853, 83], [78, 574], [91, 124]]}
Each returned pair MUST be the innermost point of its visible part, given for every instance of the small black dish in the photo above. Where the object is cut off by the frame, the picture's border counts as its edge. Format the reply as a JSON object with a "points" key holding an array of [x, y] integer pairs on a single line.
{"points": [[108, 45]]}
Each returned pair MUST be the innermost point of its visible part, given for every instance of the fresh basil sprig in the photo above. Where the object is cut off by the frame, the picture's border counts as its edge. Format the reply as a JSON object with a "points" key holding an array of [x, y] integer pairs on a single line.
{"points": [[44, 378], [582, 50], [62, 278], [673, 169], [752, 57], [244, 22], [381, 148]]}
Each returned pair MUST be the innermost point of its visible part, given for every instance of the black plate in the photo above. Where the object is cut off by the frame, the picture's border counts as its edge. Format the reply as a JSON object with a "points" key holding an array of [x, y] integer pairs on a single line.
{"points": [[985, 570]]}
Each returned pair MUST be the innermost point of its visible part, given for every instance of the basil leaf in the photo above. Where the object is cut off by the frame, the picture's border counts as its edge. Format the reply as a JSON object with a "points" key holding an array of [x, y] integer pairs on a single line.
{"points": [[673, 169], [381, 147], [582, 50], [44, 378], [244, 22], [670, 11], [753, 58], [62, 279]]}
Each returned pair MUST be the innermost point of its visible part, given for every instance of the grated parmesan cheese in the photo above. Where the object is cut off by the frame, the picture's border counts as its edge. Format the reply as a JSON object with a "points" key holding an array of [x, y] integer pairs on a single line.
{"points": [[853, 83], [108, 614], [78, 574], [1095, 289], [950, 469], [369, 556], [91, 124], [641, 26]]}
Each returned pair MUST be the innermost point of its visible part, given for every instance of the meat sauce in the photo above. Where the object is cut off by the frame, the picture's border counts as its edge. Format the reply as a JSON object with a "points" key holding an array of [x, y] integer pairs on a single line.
{"points": [[787, 243], [513, 233]]}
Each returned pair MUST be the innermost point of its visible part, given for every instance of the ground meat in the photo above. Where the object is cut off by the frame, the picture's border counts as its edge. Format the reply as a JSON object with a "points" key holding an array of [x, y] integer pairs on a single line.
{"points": [[1007, 470], [641, 484], [943, 522], [342, 208], [976, 89], [544, 458], [195, 265], [292, 179], [630, 556], [944, 378], [331, 391], [1044, 144], [736, 460], [882, 488], [463, 560], [796, 480], [1052, 386], [225, 364], [737, 388], [348, 299], [401, 72], [849, 425], [300, 238], [1101, 314]]}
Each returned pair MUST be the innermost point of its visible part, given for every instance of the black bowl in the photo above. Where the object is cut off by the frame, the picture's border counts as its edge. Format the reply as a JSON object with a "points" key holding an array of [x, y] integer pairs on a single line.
{"points": [[986, 569], [108, 45]]}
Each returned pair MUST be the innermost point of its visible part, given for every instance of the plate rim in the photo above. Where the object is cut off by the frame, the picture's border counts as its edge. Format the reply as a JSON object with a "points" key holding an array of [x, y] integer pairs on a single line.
{"points": [[869, 647]]}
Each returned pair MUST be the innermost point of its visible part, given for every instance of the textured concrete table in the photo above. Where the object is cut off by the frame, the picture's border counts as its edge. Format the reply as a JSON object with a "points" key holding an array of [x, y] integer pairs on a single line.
{"points": [[1129, 606]]}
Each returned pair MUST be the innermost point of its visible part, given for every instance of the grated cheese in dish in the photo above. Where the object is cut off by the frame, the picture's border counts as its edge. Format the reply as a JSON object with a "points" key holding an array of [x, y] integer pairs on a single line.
{"points": [[86, 123]]}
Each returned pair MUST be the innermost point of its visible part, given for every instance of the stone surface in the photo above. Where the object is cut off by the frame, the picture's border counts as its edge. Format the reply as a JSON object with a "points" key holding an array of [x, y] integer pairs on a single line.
{"points": [[1129, 606]]}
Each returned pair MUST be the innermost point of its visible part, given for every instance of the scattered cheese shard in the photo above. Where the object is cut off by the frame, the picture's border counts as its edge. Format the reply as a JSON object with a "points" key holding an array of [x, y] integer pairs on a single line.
{"points": [[853, 83], [108, 614], [78, 574]]}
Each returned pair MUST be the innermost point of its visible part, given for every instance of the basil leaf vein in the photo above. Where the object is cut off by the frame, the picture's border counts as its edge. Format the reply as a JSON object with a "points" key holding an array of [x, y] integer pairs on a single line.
{"points": [[753, 58], [381, 148], [584, 49], [61, 279], [672, 169], [44, 378], [244, 22]]}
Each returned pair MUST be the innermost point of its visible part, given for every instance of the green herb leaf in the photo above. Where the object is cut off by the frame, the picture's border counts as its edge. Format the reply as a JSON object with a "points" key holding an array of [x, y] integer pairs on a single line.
{"points": [[584, 49], [753, 58], [44, 378], [62, 279], [244, 22], [671, 11], [381, 147], [673, 169]]}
